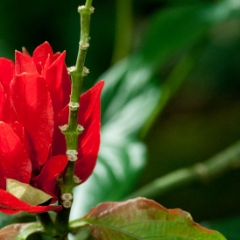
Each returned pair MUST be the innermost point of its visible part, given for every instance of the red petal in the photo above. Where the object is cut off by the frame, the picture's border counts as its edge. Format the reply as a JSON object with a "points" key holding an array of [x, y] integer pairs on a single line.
{"points": [[90, 101], [6, 76], [87, 157], [9, 116], [58, 144], [24, 63], [6, 72], [20, 131], [89, 140], [41, 54], [2, 101], [32, 104], [59, 86], [14, 162], [56, 56], [66, 86], [9, 202], [8, 211], [46, 180]]}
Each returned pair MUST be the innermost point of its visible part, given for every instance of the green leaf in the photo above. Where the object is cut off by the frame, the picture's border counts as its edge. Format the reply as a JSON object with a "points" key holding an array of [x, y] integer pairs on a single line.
{"points": [[174, 29], [143, 219], [121, 156], [19, 231], [129, 97], [28, 230], [11, 231]]}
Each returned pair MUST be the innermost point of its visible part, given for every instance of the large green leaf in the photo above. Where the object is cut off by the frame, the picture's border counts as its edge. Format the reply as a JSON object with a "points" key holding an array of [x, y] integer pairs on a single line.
{"points": [[128, 99], [121, 156], [143, 219]]}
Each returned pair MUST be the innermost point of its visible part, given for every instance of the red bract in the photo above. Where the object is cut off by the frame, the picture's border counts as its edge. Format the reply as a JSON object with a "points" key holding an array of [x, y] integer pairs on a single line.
{"points": [[34, 96]]}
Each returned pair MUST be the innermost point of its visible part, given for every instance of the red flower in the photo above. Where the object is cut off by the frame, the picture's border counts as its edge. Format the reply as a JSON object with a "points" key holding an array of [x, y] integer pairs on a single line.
{"points": [[34, 96]]}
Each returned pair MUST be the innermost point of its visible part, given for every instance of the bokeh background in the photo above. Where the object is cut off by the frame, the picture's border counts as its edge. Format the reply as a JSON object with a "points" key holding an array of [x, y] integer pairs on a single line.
{"points": [[189, 47]]}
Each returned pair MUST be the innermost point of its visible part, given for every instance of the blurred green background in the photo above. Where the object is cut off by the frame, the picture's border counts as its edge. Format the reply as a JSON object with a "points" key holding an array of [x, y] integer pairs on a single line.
{"points": [[191, 47]]}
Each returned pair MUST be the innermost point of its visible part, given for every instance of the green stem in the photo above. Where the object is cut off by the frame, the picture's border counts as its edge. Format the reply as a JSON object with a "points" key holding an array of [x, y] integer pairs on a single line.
{"points": [[88, 4], [47, 223], [169, 88], [205, 171], [123, 34], [62, 223], [72, 130]]}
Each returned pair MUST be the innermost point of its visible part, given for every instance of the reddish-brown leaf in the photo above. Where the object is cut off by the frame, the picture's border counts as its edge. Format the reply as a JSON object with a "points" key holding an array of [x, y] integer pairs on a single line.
{"points": [[142, 219], [10, 232]]}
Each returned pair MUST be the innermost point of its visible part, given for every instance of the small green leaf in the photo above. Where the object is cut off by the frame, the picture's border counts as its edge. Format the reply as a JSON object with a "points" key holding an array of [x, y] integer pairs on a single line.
{"points": [[11, 231], [143, 219], [27, 230], [19, 231], [26, 193]]}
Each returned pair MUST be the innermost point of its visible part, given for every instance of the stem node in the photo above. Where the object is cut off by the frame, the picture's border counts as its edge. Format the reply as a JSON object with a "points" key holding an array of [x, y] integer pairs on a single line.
{"points": [[72, 155], [84, 45], [85, 71], [74, 106], [76, 179]]}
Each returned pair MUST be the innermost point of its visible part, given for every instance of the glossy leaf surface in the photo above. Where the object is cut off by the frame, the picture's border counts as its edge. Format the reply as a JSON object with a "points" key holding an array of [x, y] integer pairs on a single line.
{"points": [[143, 219]]}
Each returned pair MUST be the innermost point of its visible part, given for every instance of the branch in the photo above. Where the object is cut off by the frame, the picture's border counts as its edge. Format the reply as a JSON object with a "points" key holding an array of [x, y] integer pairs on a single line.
{"points": [[199, 172], [72, 130]]}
